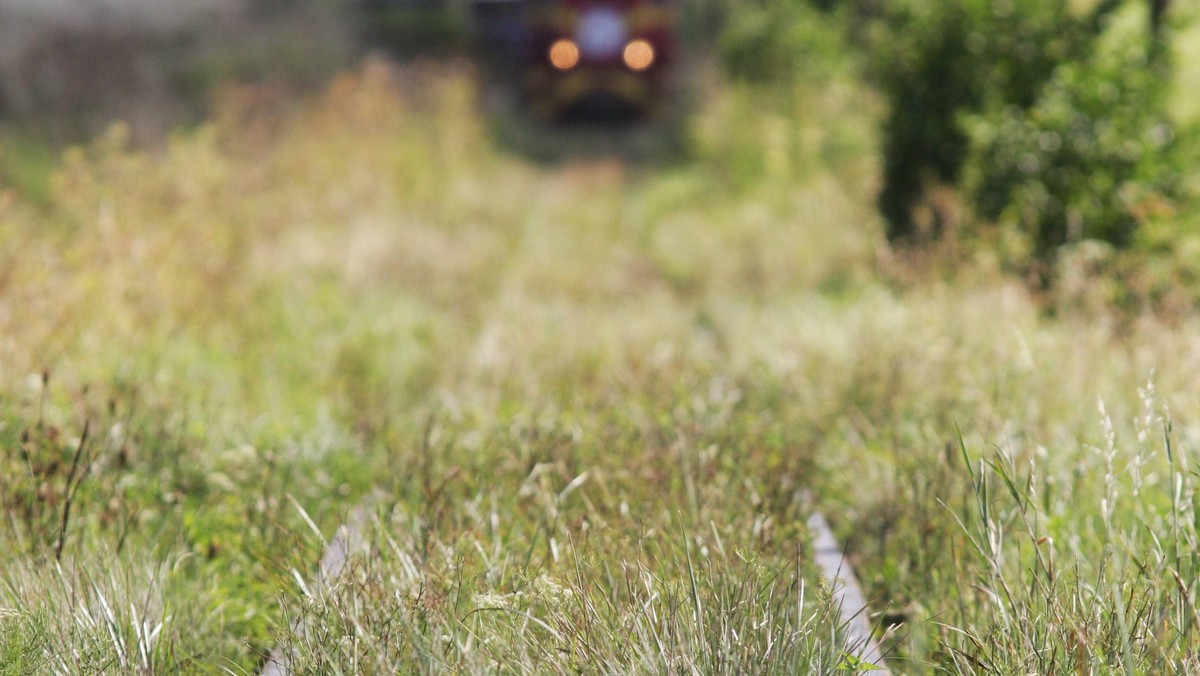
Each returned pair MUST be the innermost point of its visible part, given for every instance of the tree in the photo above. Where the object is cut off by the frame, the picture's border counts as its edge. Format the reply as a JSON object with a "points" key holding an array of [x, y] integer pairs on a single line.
{"points": [[1158, 15], [957, 60]]}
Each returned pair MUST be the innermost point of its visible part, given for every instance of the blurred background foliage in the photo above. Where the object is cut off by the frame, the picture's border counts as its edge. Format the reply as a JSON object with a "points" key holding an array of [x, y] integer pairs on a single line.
{"points": [[1028, 125], [69, 69]]}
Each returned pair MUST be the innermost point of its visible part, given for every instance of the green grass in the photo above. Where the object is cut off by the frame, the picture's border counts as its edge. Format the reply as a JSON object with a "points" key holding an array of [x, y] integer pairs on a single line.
{"points": [[583, 402], [1187, 66], [26, 166]]}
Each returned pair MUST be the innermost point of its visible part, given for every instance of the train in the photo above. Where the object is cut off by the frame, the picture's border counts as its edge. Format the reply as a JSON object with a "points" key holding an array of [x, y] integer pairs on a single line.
{"points": [[598, 57], [565, 57]]}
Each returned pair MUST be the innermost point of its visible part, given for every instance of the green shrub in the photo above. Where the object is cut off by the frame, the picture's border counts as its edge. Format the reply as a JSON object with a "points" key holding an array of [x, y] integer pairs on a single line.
{"points": [[774, 40], [937, 61], [420, 28], [26, 166], [1092, 158]]}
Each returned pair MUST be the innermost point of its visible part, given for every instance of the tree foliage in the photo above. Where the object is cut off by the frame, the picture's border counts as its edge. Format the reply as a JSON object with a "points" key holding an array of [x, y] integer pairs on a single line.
{"points": [[1093, 157], [1041, 115], [1045, 115]]}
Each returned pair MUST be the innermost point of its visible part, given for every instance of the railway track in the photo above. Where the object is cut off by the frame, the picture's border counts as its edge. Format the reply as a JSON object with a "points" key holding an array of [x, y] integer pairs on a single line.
{"points": [[827, 554]]}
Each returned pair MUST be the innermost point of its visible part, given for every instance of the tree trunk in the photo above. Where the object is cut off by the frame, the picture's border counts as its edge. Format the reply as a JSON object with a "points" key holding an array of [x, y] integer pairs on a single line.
{"points": [[1158, 14]]}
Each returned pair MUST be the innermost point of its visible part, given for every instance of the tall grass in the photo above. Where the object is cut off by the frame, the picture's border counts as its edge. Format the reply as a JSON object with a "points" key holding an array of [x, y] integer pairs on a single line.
{"points": [[583, 399]]}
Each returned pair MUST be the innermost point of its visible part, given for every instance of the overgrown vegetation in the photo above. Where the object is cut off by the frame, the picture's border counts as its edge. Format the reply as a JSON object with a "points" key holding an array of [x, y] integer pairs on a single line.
{"points": [[1048, 119], [263, 319], [583, 403]]}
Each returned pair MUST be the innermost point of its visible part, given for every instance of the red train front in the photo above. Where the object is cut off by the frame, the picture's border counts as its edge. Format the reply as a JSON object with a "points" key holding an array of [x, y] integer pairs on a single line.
{"points": [[599, 56]]}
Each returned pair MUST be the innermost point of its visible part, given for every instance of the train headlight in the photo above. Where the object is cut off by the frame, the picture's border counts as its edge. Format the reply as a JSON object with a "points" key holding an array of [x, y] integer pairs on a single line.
{"points": [[564, 54], [639, 55]]}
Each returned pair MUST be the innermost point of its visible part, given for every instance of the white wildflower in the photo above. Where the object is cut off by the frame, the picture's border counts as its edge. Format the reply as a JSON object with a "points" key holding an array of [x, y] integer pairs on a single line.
{"points": [[549, 590], [495, 600]]}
